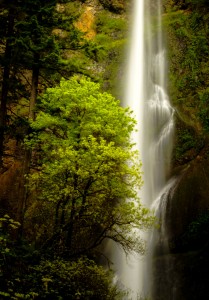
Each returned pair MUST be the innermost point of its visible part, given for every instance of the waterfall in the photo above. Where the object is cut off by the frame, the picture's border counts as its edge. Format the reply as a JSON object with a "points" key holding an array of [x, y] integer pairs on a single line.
{"points": [[146, 95]]}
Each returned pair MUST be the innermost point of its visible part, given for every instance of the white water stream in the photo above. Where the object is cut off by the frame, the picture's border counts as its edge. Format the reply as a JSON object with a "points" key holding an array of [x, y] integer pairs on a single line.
{"points": [[146, 95]]}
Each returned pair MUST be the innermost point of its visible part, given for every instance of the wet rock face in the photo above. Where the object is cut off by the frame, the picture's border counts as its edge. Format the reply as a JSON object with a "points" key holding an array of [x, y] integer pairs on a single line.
{"points": [[181, 276], [181, 272], [188, 208]]}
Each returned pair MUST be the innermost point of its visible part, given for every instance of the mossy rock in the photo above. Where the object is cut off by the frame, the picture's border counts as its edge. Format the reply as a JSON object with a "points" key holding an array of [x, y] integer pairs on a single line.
{"points": [[116, 6], [189, 142]]}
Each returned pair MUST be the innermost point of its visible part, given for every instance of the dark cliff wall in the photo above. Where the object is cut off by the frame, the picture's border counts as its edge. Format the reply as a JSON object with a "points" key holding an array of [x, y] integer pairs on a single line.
{"points": [[181, 268]]}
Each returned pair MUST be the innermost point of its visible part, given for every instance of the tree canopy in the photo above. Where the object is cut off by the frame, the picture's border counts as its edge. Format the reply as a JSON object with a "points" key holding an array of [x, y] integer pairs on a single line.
{"points": [[83, 183], [87, 168]]}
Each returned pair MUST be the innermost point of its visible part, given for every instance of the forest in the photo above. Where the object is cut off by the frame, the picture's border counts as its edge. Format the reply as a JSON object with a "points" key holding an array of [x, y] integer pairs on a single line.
{"points": [[67, 164], [64, 148]]}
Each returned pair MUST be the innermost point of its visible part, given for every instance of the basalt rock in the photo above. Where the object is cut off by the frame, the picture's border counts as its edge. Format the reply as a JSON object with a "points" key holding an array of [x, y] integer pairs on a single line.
{"points": [[181, 262]]}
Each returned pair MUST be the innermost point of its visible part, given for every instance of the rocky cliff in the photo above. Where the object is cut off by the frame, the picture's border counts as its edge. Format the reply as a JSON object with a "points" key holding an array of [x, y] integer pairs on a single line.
{"points": [[181, 267]]}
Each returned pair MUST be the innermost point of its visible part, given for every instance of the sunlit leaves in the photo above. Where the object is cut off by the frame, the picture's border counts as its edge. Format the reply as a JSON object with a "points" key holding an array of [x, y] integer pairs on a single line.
{"points": [[88, 168]]}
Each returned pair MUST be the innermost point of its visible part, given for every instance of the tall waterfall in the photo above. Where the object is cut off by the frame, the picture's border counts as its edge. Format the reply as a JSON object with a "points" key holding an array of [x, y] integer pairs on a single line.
{"points": [[146, 95]]}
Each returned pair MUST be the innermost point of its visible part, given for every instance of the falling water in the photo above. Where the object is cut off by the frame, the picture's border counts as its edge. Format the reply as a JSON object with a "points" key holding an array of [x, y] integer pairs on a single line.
{"points": [[146, 95]]}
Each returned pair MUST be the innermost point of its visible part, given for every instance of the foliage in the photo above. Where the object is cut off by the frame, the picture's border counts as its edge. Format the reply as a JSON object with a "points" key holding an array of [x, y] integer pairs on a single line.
{"points": [[188, 32], [111, 25], [196, 234], [204, 108], [88, 169], [7, 226], [80, 279], [35, 32], [107, 47], [200, 4], [188, 144], [25, 275], [8, 230], [35, 36]]}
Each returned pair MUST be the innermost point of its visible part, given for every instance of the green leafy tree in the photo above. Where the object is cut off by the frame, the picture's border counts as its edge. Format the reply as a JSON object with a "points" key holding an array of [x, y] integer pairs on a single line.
{"points": [[89, 173]]}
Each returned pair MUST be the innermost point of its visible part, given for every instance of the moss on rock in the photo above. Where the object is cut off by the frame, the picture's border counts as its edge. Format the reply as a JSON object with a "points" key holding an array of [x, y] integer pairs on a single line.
{"points": [[116, 6]]}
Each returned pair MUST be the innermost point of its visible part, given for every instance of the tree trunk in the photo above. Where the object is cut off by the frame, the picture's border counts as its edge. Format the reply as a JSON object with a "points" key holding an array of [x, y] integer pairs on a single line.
{"points": [[34, 88], [5, 82], [27, 155]]}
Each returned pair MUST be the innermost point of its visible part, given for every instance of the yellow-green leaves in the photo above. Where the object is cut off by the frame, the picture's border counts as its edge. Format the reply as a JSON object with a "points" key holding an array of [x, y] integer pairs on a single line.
{"points": [[88, 169]]}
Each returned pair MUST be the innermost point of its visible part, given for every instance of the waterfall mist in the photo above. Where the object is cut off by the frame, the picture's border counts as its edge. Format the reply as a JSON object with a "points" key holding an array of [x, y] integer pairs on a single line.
{"points": [[146, 95]]}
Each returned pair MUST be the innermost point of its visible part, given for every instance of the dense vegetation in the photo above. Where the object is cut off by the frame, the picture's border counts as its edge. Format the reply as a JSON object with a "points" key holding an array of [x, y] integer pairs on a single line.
{"points": [[186, 23], [187, 33], [67, 164]]}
